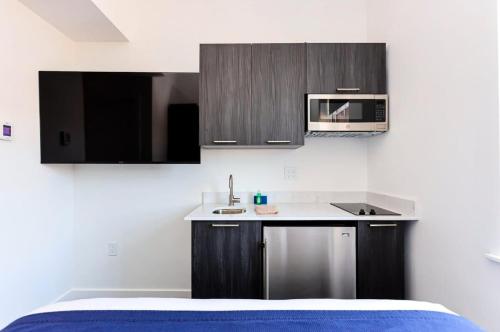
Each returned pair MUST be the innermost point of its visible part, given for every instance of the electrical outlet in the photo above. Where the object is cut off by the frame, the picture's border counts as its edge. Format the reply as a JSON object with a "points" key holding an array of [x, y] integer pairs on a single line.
{"points": [[112, 249], [290, 173]]}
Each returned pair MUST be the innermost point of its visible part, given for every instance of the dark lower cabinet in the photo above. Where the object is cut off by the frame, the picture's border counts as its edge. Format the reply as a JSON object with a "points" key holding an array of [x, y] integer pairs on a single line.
{"points": [[380, 262], [227, 259]]}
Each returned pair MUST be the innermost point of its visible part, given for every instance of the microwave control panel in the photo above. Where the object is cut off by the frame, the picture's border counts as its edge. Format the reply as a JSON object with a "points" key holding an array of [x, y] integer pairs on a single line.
{"points": [[380, 111]]}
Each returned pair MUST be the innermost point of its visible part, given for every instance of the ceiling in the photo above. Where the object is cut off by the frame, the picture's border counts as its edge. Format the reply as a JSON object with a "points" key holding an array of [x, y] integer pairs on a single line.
{"points": [[79, 20]]}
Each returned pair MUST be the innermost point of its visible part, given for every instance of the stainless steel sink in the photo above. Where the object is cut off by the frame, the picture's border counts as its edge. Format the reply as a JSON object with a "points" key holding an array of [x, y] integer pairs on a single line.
{"points": [[230, 211]]}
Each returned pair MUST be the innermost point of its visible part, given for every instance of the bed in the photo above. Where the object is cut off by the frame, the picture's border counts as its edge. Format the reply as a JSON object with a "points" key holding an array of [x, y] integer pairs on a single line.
{"points": [[155, 314]]}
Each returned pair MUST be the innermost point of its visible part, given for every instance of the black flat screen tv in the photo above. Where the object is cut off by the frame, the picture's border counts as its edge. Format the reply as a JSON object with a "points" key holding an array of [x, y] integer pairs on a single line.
{"points": [[118, 117]]}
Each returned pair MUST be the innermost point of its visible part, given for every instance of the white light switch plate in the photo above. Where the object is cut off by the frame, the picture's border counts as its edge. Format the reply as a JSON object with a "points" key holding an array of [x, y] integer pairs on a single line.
{"points": [[112, 249], [6, 131], [290, 173]]}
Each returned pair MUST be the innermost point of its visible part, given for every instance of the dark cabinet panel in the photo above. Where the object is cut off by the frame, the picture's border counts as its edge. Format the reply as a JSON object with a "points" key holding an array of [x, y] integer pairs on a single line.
{"points": [[225, 90], [226, 259], [380, 265], [278, 89], [331, 67]]}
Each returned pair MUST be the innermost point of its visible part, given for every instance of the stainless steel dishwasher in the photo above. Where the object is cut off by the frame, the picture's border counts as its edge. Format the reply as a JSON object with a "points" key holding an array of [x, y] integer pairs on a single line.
{"points": [[309, 262]]}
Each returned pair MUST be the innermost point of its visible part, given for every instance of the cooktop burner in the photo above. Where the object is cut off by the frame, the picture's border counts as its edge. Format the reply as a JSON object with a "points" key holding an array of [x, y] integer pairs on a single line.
{"points": [[362, 209]]}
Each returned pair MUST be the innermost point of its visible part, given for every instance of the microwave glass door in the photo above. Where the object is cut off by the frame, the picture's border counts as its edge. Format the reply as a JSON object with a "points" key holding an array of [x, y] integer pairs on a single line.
{"points": [[334, 110]]}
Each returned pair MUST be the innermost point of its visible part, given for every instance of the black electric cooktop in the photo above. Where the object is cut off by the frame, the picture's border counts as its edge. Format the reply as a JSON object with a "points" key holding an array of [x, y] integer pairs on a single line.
{"points": [[362, 209]]}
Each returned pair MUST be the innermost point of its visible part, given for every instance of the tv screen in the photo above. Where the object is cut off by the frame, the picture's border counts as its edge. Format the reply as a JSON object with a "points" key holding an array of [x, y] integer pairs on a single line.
{"points": [[110, 117]]}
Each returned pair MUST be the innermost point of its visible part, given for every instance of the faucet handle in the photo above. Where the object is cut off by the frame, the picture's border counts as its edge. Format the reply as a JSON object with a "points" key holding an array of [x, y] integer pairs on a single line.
{"points": [[236, 199]]}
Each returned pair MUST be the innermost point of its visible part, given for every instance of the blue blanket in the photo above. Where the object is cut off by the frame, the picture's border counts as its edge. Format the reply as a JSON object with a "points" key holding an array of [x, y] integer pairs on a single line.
{"points": [[290, 321]]}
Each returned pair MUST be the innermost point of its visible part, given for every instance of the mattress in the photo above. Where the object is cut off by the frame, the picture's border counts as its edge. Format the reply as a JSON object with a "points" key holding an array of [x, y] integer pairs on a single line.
{"points": [[163, 314]]}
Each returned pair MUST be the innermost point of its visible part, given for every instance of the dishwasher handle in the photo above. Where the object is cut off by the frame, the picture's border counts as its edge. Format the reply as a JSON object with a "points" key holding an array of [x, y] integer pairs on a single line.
{"points": [[265, 270]]}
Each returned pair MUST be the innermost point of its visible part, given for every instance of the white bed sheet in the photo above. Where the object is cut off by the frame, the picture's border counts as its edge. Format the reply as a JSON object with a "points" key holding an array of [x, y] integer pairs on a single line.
{"points": [[175, 304]]}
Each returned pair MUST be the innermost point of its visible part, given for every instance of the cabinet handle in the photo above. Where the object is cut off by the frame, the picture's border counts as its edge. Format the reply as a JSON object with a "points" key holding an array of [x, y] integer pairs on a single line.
{"points": [[226, 225], [278, 142], [348, 89], [225, 142], [383, 225]]}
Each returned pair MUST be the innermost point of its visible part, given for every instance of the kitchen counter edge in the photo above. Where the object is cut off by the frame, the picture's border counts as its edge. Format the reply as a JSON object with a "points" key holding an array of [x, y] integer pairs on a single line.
{"points": [[289, 212]]}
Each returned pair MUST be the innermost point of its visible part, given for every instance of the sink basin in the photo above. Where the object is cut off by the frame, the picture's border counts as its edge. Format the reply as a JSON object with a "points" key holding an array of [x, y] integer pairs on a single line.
{"points": [[230, 211]]}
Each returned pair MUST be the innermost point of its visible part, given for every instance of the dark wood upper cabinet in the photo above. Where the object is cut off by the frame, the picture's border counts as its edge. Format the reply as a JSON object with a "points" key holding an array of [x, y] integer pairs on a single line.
{"points": [[225, 94], [346, 66], [253, 94], [226, 259], [380, 263], [278, 89]]}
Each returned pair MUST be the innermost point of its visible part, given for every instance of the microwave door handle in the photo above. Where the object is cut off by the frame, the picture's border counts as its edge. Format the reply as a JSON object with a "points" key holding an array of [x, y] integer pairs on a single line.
{"points": [[348, 89]]}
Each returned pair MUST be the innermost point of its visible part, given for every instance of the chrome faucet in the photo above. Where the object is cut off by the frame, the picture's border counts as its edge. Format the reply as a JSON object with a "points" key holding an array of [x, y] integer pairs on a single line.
{"points": [[232, 199]]}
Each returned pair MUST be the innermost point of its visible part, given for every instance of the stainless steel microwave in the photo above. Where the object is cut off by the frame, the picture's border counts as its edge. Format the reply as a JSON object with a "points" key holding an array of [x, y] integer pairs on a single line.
{"points": [[347, 114]]}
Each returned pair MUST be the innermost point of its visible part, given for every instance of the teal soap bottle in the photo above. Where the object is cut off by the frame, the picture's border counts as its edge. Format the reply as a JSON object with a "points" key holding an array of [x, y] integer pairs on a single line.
{"points": [[258, 198]]}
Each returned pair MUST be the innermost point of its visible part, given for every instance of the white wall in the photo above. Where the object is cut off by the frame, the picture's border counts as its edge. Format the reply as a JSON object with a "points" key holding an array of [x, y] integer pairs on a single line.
{"points": [[165, 34], [36, 201], [443, 145], [141, 207]]}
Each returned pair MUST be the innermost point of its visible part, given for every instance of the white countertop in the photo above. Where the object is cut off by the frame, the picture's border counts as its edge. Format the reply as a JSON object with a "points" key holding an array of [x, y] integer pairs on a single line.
{"points": [[288, 211]]}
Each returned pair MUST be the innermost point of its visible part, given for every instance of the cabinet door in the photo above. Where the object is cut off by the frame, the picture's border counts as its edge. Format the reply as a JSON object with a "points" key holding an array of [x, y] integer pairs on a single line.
{"points": [[346, 68], [380, 266], [225, 86], [278, 89], [226, 260]]}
